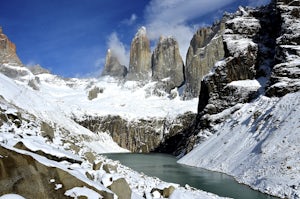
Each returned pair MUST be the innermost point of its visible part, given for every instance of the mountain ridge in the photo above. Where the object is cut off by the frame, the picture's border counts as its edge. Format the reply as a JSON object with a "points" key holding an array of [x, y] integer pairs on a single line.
{"points": [[245, 122]]}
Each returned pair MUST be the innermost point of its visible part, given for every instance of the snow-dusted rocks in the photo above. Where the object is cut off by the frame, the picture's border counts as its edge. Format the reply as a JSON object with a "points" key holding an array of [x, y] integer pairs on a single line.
{"points": [[257, 143], [286, 74]]}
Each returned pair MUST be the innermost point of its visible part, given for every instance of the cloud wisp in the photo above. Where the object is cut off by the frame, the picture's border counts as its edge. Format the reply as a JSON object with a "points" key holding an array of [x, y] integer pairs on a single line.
{"points": [[131, 20], [118, 49]]}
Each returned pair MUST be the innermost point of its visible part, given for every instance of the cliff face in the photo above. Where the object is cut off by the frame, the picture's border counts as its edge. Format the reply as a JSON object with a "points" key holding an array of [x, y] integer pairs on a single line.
{"points": [[285, 76], [113, 67], [141, 135], [250, 38], [8, 51], [206, 48], [167, 64], [140, 57]]}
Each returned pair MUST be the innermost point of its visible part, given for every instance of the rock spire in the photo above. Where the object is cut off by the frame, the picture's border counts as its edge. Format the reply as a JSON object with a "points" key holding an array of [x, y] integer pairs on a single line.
{"points": [[167, 64], [112, 66], [140, 56]]}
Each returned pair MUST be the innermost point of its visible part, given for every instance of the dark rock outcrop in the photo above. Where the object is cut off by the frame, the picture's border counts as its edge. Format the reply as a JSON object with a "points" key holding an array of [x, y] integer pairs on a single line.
{"points": [[143, 135], [206, 48], [249, 41], [167, 64], [246, 47], [21, 174], [285, 76], [113, 67], [140, 57]]}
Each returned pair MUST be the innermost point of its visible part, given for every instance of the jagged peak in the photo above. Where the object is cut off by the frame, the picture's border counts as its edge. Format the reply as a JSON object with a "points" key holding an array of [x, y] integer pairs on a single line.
{"points": [[163, 38], [243, 11], [141, 32]]}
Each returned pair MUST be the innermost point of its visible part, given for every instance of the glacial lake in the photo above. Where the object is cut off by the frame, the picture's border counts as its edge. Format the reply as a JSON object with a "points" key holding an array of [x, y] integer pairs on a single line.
{"points": [[167, 169]]}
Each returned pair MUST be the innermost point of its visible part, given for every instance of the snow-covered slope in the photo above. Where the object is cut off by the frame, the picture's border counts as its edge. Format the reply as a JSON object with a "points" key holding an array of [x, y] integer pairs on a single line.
{"points": [[72, 148], [130, 100], [258, 144]]}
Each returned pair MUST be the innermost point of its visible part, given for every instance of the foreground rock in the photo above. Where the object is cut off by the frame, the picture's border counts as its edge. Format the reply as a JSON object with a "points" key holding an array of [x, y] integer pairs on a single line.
{"points": [[23, 175], [167, 64]]}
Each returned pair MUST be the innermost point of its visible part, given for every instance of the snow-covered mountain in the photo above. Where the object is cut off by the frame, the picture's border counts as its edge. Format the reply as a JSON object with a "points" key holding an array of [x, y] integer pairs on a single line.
{"points": [[249, 120], [44, 153], [245, 122]]}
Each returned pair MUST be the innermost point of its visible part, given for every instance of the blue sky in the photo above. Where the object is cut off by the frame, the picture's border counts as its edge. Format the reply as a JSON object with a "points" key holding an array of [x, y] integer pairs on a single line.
{"points": [[71, 37]]}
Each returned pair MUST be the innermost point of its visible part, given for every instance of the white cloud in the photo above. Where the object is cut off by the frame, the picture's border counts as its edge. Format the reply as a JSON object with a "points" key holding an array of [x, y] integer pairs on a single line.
{"points": [[131, 20], [255, 3], [171, 17], [118, 49]]}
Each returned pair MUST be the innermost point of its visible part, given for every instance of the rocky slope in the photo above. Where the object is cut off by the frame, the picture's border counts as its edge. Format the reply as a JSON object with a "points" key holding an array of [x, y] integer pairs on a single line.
{"points": [[247, 123], [44, 153], [248, 103]]}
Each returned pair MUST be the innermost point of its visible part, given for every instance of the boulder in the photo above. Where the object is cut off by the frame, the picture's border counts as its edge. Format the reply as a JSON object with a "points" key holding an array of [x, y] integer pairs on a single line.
{"points": [[23, 175], [108, 168], [93, 93], [140, 57], [167, 64], [47, 131], [121, 188]]}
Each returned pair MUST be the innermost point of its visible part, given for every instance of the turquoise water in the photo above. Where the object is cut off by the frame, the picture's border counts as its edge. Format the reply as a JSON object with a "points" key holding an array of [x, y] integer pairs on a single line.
{"points": [[167, 169]]}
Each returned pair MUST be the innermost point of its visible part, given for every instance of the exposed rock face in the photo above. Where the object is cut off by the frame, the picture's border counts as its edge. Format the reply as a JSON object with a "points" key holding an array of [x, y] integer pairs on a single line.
{"points": [[38, 69], [10, 64], [249, 41], [286, 74], [23, 175], [141, 135], [167, 64], [113, 67], [246, 46], [206, 48], [8, 51], [140, 56]]}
